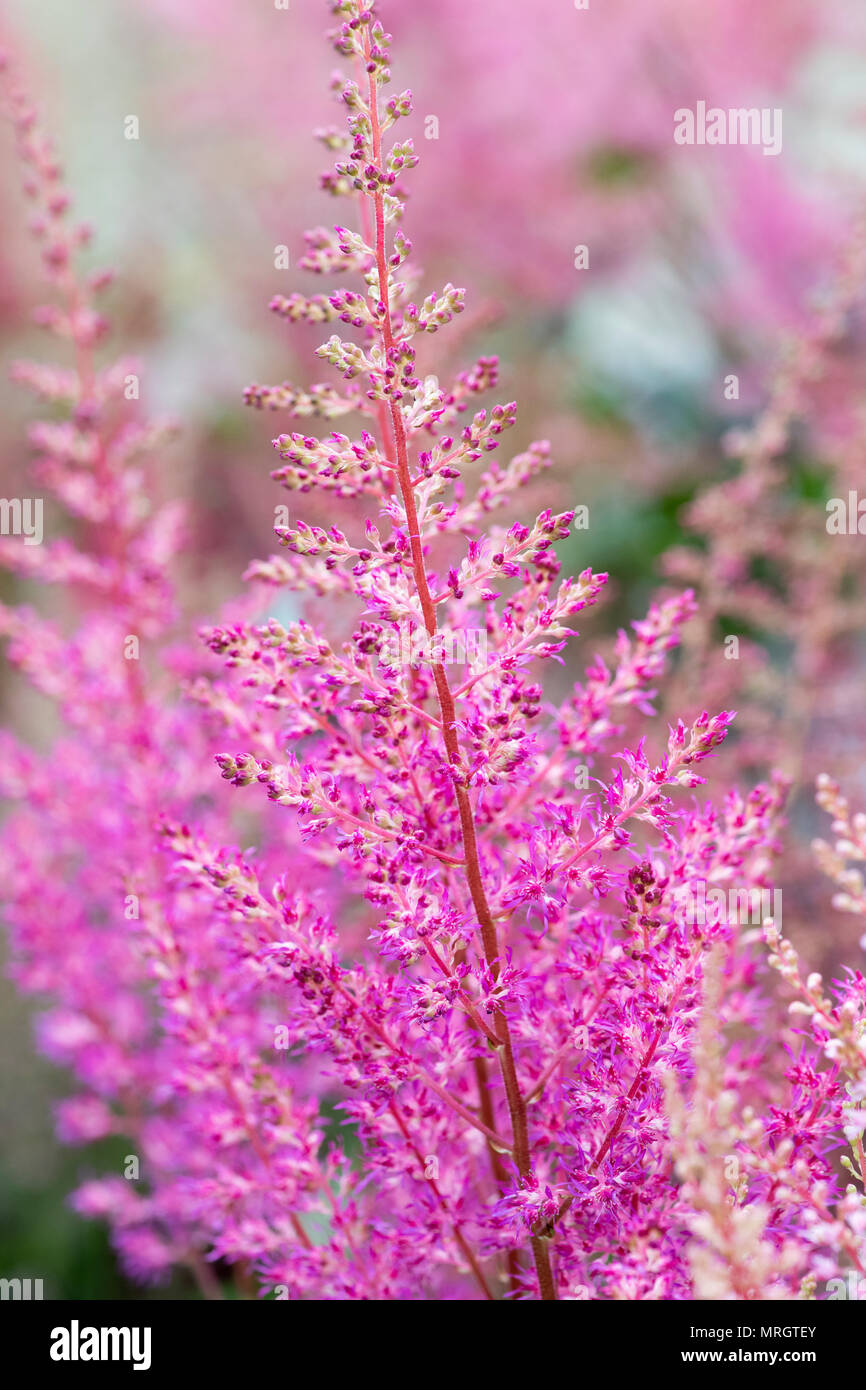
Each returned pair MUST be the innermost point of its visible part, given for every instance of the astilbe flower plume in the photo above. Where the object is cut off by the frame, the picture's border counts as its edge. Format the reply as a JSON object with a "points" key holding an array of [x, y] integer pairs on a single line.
{"points": [[785, 581], [503, 1058], [466, 921], [138, 982], [780, 605]]}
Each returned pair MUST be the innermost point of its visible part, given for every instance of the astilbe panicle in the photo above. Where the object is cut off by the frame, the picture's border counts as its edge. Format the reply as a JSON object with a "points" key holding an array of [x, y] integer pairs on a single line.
{"points": [[139, 985], [778, 580], [729, 1254], [768, 565], [473, 936], [537, 974], [849, 847], [76, 853], [835, 1020], [745, 1173]]}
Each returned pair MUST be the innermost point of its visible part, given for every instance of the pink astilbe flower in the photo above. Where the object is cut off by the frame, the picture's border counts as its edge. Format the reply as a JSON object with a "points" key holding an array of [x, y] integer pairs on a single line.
{"points": [[776, 572], [545, 974], [768, 1219], [849, 848], [468, 925], [835, 1018], [96, 926], [738, 1247]]}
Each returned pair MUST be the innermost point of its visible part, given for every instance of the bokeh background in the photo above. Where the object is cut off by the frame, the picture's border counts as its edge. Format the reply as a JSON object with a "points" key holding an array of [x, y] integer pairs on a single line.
{"points": [[553, 129]]}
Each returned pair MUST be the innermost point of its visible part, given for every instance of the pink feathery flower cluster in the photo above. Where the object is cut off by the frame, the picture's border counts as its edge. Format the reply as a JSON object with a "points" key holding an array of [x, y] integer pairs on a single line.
{"points": [[479, 927]]}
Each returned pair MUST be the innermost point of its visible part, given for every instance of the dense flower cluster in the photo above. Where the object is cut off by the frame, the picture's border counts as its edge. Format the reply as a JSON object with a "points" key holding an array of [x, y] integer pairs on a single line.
{"points": [[480, 927]]}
